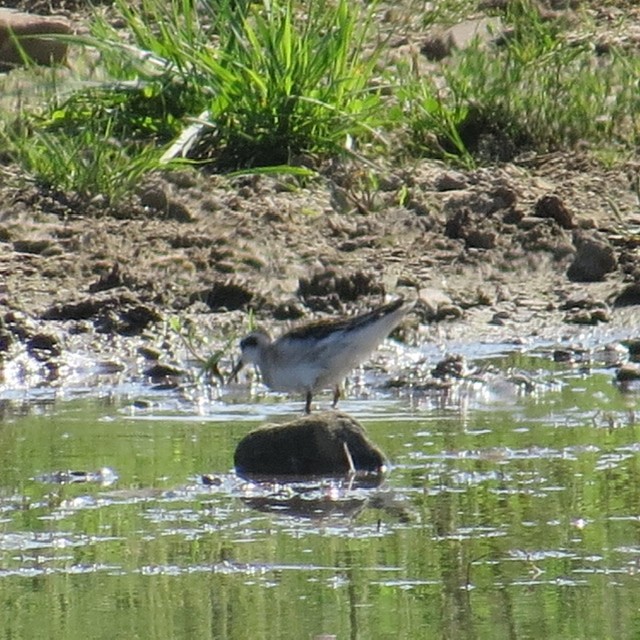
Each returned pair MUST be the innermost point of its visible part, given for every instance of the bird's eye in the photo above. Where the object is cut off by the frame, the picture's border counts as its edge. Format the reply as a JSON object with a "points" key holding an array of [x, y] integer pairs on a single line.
{"points": [[249, 341]]}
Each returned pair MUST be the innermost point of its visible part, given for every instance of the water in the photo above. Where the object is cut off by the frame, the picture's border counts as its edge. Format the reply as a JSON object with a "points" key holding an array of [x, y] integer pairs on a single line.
{"points": [[512, 511]]}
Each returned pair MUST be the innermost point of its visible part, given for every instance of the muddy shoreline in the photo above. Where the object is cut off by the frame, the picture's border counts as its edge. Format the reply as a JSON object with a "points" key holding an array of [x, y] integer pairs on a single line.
{"points": [[546, 245], [109, 285]]}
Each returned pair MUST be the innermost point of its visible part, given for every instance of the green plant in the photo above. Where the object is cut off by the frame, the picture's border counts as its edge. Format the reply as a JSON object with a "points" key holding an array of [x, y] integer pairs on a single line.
{"points": [[538, 90], [89, 161], [273, 81], [264, 82]]}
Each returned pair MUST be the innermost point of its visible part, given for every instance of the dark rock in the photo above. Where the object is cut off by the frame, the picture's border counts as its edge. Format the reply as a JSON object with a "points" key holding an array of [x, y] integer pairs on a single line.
{"points": [[629, 296], [80, 310], [154, 198], [628, 372], [149, 353], [24, 36], [453, 366], [457, 225], [42, 346], [633, 346], [513, 216], [594, 257], [477, 232], [209, 480], [551, 206], [5, 341], [316, 444], [159, 370], [563, 355], [179, 212], [502, 197], [135, 320], [481, 238]]}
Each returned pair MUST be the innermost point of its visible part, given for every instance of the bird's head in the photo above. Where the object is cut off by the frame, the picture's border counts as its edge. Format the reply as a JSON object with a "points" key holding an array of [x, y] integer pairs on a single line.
{"points": [[252, 348]]}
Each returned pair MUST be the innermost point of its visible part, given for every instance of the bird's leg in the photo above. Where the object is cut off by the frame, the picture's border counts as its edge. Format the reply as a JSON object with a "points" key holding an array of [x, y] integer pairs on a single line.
{"points": [[336, 396], [307, 405], [347, 453]]}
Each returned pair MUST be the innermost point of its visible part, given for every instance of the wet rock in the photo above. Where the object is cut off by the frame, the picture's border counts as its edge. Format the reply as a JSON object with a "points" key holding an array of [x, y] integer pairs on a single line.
{"points": [[551, 206], [22, 34], [628, 372], [594, 258], [629, 296], [317, 444], [453, 366], [43, 346], [149, 353], [159, 371], [633, 347]]}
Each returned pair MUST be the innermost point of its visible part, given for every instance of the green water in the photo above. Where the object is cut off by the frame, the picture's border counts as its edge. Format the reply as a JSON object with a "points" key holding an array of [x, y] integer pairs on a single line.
{"points": [[506, 515]]}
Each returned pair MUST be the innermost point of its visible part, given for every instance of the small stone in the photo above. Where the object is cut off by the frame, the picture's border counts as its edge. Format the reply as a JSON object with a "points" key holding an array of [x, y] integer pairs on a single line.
{"points": [[594, 257], [551, 206], [451, 181], [453, 366], [179, 212], [24, 36], [160, 370], [628, 372], [43, 343], [154, 198], [629, 296]]}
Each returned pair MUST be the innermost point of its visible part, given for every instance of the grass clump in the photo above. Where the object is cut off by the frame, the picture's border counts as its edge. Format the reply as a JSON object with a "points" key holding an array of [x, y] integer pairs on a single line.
{"points": [[535, 90], [264, 81], [267, 80]]}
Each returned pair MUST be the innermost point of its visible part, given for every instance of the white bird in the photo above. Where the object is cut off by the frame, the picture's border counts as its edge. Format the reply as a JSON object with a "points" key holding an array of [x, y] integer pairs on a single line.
{"points": [[319, 354]]}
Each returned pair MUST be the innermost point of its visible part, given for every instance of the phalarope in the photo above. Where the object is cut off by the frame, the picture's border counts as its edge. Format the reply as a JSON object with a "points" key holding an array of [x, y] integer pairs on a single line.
{"points": [[319, 354]]}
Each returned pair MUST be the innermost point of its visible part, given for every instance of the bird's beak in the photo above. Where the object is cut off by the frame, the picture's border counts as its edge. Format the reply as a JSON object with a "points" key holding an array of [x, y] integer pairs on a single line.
{"points": [[236, 370]]}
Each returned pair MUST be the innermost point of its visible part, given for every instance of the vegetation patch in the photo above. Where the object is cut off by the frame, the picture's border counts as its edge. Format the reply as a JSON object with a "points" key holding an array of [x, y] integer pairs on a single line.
{"points": [[279, 85]]}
